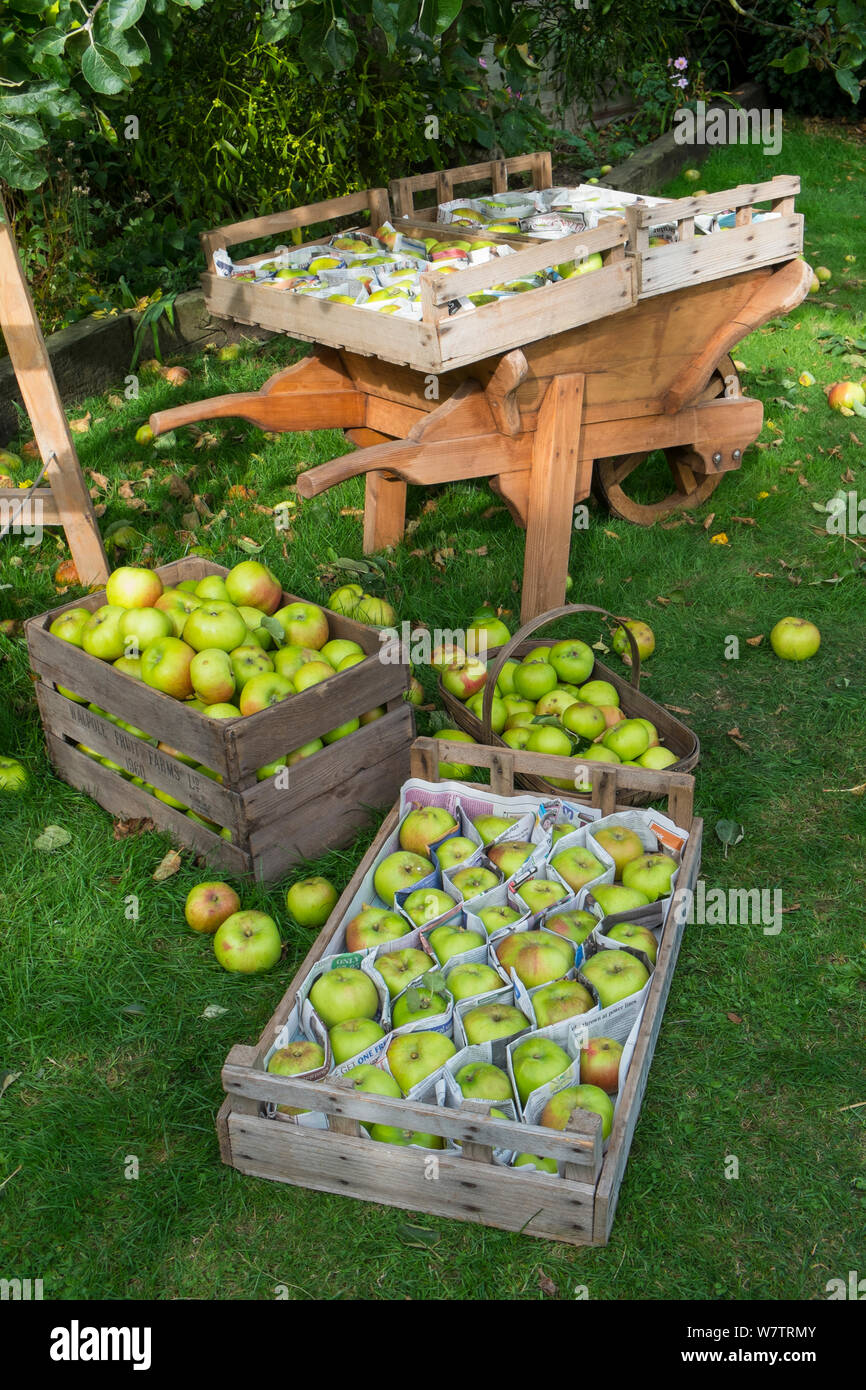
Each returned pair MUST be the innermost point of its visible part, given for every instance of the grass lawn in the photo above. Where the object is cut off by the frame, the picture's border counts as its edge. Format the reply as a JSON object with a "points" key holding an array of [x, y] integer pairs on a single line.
{"points": [[761, 1048]]}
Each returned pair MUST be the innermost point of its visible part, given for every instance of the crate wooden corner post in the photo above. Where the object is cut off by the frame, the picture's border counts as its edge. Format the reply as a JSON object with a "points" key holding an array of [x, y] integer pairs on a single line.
{"points": [[273, 824], [577, 1208], [65, 501]]}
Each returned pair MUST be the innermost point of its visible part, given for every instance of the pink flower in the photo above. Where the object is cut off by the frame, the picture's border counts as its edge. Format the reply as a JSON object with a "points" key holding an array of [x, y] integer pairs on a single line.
{"points": [[681, 63], [482, 63], [683, 82]]}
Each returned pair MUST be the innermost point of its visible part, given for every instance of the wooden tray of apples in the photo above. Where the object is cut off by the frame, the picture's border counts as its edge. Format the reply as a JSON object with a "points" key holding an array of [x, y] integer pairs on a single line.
{"points": [[588, 703], [502, 1051]]}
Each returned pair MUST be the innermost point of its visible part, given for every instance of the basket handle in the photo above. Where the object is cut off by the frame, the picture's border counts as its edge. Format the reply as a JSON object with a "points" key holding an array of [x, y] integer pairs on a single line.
{"points": [[526, 631]]}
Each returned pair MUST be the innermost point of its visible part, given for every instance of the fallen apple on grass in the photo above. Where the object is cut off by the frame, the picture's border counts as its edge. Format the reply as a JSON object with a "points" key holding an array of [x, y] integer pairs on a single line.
{"points": [[248, 943], [209, 904], [795, 639], [643, 636], [13, 775]]}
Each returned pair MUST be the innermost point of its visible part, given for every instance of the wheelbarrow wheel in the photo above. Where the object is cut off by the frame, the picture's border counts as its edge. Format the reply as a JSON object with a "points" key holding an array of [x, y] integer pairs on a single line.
{"points": [[691, 488]]}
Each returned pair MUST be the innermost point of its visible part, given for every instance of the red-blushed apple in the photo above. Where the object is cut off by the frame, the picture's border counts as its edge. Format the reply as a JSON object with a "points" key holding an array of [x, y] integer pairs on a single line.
{"points": [[304, 624], [510, 854], [13, 775], [620, 843], [614, 897], [584, 720], [541, 893], [643, 636], [296, 1059], [305, 751], [534, 1062], [371, 1079], [260, 692], [212, 677], [399, 968], [248, 942], [249, 660], [343, 993], [133, 588], [464, 677], [178, 607], [399, 871], [474, 881], [578, 866], [599, 693], [472, 978], [573, 923], [559, 1000], [612, 715], [487, 1022], [165, 666], [650, 874], [209, 904], [215, 624], [560, 1108], [424, 826], [70, 625], [101, 635], [536, 957], [453, 940], [373, 926], [252, 584], [614, 975], [845, 394], [418, 1002], [652, 731], [311, 901], [483, 1081], [599, 1064], [795, 639], [352, 1037], [412, 1057]]}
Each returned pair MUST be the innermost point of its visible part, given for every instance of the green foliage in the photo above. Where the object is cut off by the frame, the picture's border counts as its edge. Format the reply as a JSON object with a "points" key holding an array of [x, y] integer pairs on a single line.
{"points": [[824, 36]]}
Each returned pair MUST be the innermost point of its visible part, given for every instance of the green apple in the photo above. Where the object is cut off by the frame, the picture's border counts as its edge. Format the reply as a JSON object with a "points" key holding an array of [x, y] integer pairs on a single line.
{"points": [[133, 588], [353, 1036], [498, 712], [345, 599], [165, 666], [101, 635], [452, 940], [620, 843], [413, 1057], [515, 738], [371, 1079], [505, 679], [487, 1022], [296, 1059], [13, 775], [628, 739], [406, 1138], [554, 704], [289, 660], [577, 866], [141, 626], [312, 673], [643, 636], [311, 901], [260, 692], [304, 624], [418, 1002], [544, 738], [221, 711], [472, 978], [427, 905], [495, 918], [338, 648], [641, 938], [795, 639], [574, 924], [69, 627], [596, 753], [249, 660], [534, 1062], [657, 758], [486, 633], [424, 826], [614, 975], [544, 1165], [561, 999], [458, 772], [305, 751], [373, 926], [343, 993], [215, 625], [375, 612], [599, 693], [515, 704], [399, 968], [534, 679], [508, 855], [560, 1108], [341, 731], [483, 1081], [491, 827], [247, 942], [455, 851], [253, 619], [472, 882], [541, 893], [252, 585], [211, 673], [583, 719], [399, 871], [613, 898], [572, 661], [536, 957], [599, 1064], [212, 587], [650, 874]]}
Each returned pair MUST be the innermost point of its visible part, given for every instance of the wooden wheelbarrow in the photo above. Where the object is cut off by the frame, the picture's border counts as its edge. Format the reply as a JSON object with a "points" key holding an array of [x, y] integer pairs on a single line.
{"points": [[549, 420]]}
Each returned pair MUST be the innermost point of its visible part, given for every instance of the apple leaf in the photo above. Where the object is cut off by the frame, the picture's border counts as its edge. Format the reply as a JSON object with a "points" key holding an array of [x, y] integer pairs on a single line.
{"points": [[249, 546], [415, 999], [167, 866], [729, 832], [275, 629], [6, 1079], [214, 1011], [53, 837], [133, 1010]]}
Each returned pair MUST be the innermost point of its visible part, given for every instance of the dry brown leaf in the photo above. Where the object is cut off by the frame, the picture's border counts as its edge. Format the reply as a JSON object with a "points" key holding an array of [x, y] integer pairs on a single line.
{"points": [[135, 826], [125, 491], [734, 1018], [206, 440], [167, 866], [762, 574], [257, 507], [98, 478], [613, 535], [708, 521], [239, 493], [547, 1286], [190, 520], [116, 402], [745, 520], [482, 550], [178, 488], [82, 425], [204, 510], [678, 709], [431, 505], [803, 480], [671, 525], [137, 504], [220, 516], [490, 511], [755, 641], [854, 440], [662, 600], [736, 737], [351, 511]]}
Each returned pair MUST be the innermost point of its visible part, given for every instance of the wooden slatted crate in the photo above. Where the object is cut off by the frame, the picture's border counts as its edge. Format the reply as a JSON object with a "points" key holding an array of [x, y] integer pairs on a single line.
{"points": [[577, 1208], [328, 797]]}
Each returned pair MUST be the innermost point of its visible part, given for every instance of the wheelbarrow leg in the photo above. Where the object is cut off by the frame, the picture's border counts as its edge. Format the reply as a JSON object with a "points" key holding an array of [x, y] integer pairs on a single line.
{"points": [[384, 499], [553, 483]]}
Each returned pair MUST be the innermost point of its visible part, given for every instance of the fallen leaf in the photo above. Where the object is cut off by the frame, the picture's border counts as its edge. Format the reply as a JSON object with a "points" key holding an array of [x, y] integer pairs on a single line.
{"points": [[719, 539], [190, 520], [547, 1285], [854, 440], [352, 511], [6, 1079], [482, 550], [167, 866], [431, 505], [53, 837], [708, 521], [803, 480], [848, 476], [239, 493], [98, 478], [137, 825], [678, 709], [745, 520], [734, 1018], [206, 440], [762, 574], [755, 641], [82, 425], [133, 1010], [214, 1011], [736, 737], [613, 535], [491, 511], [249, 546], [178, 488]]}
